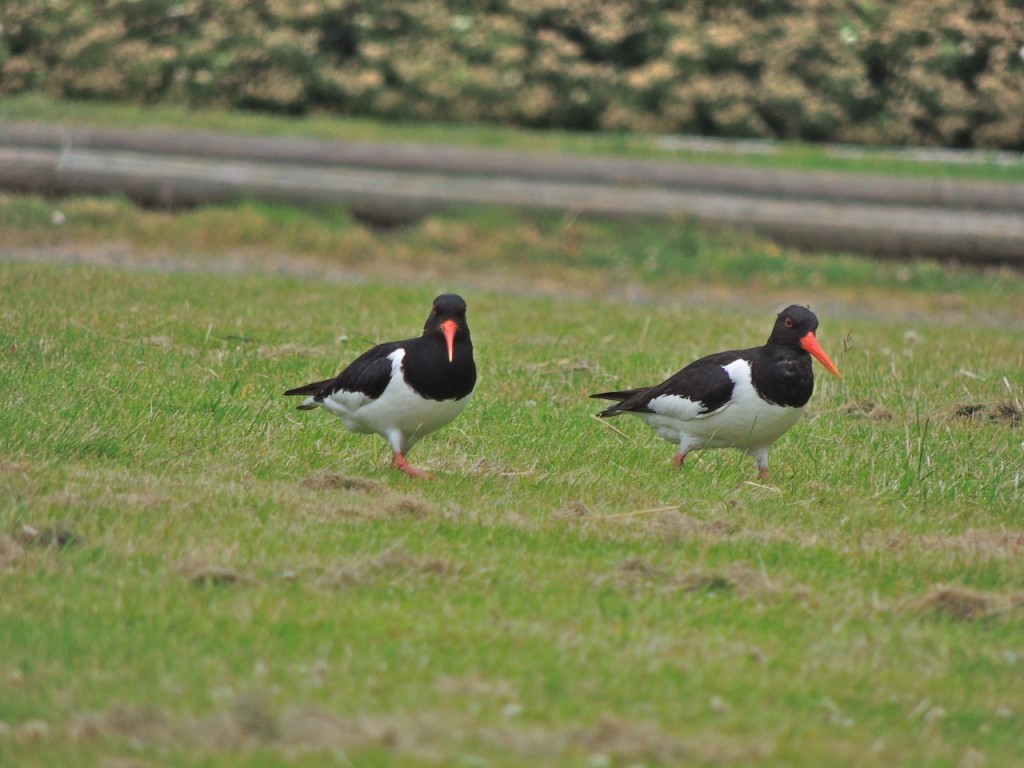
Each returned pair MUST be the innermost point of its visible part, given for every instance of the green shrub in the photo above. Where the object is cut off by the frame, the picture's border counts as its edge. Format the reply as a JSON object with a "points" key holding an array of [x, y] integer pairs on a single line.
{"points": [[938, 72]]}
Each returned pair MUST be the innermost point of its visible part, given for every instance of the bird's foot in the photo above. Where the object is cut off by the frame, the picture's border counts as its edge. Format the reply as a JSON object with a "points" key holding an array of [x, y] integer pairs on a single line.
{"points": [[678, 459], [400, 462], [762, 473]]}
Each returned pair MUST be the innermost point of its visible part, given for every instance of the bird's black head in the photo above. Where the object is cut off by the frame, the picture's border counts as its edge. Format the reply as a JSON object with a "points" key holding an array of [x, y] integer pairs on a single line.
{"points": [[448, 318], [795, 328], [792, 324]]}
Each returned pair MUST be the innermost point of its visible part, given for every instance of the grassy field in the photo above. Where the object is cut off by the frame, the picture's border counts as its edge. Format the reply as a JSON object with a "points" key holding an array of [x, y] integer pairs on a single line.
{"points": [[789, 155], [196, 574]]}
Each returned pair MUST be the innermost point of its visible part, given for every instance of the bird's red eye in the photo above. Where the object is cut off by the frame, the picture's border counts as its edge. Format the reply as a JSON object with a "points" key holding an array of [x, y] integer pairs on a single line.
{"points": [[788, 323]]}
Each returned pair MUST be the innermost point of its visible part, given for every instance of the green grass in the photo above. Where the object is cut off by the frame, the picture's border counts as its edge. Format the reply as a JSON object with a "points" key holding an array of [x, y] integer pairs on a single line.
{"points": [[495, 247], [788, 155], [250, 585]]}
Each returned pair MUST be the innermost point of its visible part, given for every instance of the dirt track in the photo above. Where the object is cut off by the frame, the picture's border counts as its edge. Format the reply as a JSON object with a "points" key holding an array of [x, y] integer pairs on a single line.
{"points": [[875, 214]]}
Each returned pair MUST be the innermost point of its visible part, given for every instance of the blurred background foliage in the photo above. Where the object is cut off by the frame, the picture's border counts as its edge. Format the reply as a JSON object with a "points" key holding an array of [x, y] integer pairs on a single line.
{"points": [[920, 72]]}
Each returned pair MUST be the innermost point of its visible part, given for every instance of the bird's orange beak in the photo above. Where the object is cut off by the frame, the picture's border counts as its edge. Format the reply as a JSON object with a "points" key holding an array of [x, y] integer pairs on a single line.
{"points": [[810, 343], [449, 328]]}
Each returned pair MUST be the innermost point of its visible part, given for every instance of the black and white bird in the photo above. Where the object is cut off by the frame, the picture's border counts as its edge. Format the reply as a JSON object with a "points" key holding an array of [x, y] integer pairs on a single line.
{"points": [[403, 390], [743, 399]]}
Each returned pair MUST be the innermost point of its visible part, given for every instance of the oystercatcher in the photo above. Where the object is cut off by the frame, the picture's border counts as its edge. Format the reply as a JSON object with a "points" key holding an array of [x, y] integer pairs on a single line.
{"points": [[742, 399], [403, 390]]}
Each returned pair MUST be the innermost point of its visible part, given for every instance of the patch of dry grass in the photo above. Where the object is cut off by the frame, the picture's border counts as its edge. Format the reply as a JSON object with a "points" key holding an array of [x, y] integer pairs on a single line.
{"points": [[1006, 412], [369, 508], [961, 603], [868, 409], [47, 537], [204, 573], [740, 579], [437, 736], [11, 552], [327, 480], [390, 566], [977, 544]]}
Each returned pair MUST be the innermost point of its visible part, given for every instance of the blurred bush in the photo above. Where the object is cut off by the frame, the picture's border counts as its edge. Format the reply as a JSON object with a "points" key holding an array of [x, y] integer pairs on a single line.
{"points": [[932, 72]]}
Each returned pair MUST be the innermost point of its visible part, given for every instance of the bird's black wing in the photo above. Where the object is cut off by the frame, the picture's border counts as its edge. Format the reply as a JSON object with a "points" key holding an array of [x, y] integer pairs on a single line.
{"points": [[369, 373], [703, 381]]}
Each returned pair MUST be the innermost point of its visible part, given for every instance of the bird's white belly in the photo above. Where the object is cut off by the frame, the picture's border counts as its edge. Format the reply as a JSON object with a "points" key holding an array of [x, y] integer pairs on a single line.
{"points": [[404, 411], [732, 427], [745, 422], [399, 411]]}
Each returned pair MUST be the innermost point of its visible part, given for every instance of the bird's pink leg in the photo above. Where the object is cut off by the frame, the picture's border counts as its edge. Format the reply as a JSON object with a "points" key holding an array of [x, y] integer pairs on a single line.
{"points": [[679, 458], [400, 462], [761, 457]]}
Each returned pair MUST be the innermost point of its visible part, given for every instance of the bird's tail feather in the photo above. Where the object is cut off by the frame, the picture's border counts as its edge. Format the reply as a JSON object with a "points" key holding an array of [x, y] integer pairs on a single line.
{"points": [[624, 394], [621, 396], [308, 389]]}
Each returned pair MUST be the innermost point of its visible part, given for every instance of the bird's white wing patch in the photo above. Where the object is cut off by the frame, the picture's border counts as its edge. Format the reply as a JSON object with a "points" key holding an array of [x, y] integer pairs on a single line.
{"points": [[676, 407], [743, 385], [344, 403]]}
